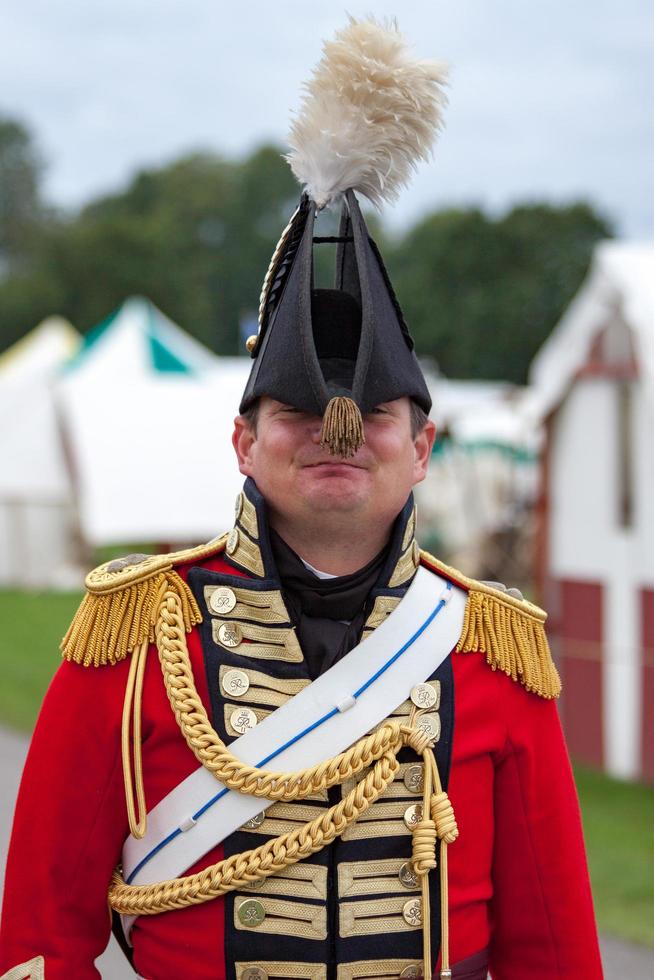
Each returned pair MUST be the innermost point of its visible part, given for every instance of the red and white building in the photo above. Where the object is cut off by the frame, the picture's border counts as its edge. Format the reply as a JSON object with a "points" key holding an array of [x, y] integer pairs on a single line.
{"points": [[593, 384]]}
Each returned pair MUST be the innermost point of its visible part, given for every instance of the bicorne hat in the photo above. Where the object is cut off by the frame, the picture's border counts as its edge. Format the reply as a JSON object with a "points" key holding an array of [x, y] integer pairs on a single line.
{"points": [[369, 114]]}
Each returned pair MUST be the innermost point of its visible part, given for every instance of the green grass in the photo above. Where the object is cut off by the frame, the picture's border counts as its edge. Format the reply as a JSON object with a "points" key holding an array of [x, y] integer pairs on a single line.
{"points": [[31, 626], [619, 829], [618, 817]]}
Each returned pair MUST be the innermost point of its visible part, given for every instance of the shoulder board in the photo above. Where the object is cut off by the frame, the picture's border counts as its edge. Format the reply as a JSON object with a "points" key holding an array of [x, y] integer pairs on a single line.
{"points": [[118, 612], [510, 631]]}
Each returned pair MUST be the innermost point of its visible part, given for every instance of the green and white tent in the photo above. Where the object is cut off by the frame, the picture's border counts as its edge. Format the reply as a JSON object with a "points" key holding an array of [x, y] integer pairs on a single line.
{"points": [[148, 414]]}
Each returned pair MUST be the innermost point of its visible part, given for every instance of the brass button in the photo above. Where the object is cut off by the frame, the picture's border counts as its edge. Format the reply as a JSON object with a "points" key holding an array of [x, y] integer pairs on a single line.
{"points": [[423, 696], [238, 506], [252, 824], [407, 875], [232, 541], [250, 344], [230, 634], [242, 720], [235, 683], [431, 724], [414, 970], [222, 600], [412, 912], [251, 913], [254, 973], [413, 815], [414, 778]]}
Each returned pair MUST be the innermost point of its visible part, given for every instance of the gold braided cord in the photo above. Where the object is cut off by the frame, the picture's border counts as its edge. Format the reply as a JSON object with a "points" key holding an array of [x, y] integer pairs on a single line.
{"points": [[109, 626], [513, 641], [240, 870], [272, 266], [131, 736], [214, 755]]}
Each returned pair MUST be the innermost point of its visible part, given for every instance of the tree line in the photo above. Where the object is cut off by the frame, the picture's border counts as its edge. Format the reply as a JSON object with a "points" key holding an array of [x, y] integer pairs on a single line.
{"points": [[480, 292]]}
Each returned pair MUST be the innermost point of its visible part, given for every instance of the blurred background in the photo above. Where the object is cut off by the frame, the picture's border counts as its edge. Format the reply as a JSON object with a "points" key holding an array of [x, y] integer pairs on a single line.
{"points": [[142, 191]]}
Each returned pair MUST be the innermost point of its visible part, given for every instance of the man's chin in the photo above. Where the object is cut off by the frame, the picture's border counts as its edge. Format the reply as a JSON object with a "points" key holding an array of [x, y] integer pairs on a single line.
{"points": [[335, 486]]}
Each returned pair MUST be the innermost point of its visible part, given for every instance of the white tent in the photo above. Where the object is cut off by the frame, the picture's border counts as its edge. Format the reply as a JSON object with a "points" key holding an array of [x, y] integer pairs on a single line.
{"points": [[148, 415], [36, 518], [593, 383], [484, 472], [619, 286]]}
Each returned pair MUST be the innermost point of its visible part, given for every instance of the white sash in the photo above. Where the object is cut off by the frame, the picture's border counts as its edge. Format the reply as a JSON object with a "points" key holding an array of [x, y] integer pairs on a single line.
{"points": [[323, 719]]}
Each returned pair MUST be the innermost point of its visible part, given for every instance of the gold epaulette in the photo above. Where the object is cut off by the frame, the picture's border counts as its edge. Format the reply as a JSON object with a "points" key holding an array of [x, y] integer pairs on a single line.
{"points": [[119, 610], [510, 631]]}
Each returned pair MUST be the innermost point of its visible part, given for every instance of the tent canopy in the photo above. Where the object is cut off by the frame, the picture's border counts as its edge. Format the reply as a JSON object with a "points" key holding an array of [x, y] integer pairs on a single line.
{"points": [[33, 465], [620, 283], [148, 413]]}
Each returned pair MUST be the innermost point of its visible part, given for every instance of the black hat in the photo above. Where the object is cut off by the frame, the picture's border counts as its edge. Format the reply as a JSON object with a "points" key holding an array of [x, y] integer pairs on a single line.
{"points": [[339, 353]]}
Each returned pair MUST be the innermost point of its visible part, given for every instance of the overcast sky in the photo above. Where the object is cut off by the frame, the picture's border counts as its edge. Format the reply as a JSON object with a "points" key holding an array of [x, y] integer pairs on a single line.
{"points": [[548, 100]]}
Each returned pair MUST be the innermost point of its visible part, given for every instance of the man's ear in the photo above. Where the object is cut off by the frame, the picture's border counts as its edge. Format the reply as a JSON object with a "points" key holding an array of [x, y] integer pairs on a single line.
{"points": [[243, 439], [423, 444]]}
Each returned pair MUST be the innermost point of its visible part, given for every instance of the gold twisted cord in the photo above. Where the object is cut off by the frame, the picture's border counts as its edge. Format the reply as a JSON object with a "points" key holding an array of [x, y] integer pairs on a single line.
{"points": [[214, 755], [272, 266], [380, 748], [131, 725], [261, 862]]}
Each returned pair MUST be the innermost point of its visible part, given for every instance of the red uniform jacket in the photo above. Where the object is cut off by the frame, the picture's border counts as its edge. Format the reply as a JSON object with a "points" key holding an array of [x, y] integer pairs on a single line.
{"points": [[518, 878]]}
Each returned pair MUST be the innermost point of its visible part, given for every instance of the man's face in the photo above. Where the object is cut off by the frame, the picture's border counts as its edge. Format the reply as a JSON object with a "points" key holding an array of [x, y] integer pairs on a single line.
{"points": [[303, 482]]}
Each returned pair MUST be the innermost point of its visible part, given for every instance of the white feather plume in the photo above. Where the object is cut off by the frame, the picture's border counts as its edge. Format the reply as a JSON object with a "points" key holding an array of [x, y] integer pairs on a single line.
{"points": [[369, 114]]}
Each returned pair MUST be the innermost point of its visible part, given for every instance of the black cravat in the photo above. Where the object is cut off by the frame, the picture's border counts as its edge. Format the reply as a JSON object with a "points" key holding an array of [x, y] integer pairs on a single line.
{"points": [[328, 613]]}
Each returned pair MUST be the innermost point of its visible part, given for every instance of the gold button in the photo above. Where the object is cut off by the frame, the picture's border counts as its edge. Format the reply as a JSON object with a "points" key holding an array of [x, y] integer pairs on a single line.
{"points": [[251, 913], [413, 815], [230, 634], [415, 970], [253, 823], [251, 342], [431, 724], [414, 778], [222, 600], [238, 506], [412, 912], [232, 541], [254, 973], [407, 875], [243, 719], [423, 696], [235, 683]]}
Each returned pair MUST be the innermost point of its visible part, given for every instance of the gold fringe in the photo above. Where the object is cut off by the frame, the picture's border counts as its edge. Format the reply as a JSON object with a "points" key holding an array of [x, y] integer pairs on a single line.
{"points": [[109, 626], [342, 427], [513, 640]]}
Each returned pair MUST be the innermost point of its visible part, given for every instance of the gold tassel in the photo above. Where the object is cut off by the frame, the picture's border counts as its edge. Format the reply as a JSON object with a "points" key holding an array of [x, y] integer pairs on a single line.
{"points": [[342, 427], [110, 625], [513, 641]]}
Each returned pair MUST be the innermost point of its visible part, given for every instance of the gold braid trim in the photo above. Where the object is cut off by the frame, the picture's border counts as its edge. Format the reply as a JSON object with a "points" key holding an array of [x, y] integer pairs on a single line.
{"points": [[380, 747], [118, 613], [510, 631]]}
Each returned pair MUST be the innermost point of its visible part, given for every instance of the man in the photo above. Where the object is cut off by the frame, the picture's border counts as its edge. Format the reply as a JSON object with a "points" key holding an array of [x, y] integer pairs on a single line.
{"points": [[346, 785]]}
